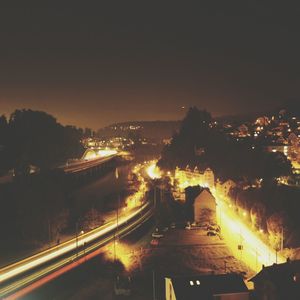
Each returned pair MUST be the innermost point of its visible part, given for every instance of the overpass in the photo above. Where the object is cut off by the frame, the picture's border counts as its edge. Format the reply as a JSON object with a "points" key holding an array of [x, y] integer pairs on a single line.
{"points": [[93, 163]]}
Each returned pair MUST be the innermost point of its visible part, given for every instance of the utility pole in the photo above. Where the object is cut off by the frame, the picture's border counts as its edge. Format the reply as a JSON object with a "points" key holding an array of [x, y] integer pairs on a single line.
{"points": [[154, 197], [76, 238], [153, 285], [281, 240], [49, 233], [117, 212]]}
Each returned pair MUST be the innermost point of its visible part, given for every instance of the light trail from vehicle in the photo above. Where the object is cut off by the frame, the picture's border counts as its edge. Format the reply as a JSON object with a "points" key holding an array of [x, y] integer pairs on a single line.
{"points": [[135, 206], [45, 256], [82, 165], [49, 273]]}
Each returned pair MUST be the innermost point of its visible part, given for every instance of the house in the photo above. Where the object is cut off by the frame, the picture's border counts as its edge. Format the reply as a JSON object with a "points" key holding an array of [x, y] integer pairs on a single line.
{"points": [[243, 130], [221, 287], [224, 187], [293, 139], [262, 121], [200, 205], [209, 178], [204, 207], [278, 281]]}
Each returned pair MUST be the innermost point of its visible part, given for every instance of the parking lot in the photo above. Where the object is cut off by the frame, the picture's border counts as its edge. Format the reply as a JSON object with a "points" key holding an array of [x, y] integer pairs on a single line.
{"points": [[193, 251]]}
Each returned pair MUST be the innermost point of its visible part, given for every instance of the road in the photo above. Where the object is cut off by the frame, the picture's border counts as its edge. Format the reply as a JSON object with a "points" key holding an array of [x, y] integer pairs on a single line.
{"points": [[245, 244], [127, 222]]}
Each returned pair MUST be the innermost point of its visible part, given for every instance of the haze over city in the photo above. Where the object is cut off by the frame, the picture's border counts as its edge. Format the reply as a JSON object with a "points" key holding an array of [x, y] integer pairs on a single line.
{"points": [[91, 65]]}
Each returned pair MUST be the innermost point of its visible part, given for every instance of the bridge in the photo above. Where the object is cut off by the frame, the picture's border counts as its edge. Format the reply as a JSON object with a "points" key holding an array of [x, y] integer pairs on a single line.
{"points": [[94, 162]]}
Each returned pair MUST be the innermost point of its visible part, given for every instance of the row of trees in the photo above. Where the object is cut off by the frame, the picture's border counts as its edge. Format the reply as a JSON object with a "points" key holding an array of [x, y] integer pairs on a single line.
{"points": [[273, 209], [39, 208], [227, 157], [30, 137], [42, 209]]}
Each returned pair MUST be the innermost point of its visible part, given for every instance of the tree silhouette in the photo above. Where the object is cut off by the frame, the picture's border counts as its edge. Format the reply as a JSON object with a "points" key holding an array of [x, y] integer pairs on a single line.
{"points": [[36, 138], [227, 157]]}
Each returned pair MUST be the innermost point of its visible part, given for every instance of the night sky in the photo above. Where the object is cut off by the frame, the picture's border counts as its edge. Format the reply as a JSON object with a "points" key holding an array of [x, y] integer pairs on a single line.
{"points": [[100, 62]]}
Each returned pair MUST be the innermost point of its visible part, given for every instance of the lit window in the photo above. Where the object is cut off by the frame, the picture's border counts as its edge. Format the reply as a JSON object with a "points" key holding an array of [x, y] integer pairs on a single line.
{"points": [[198, 282], [191, 282]]}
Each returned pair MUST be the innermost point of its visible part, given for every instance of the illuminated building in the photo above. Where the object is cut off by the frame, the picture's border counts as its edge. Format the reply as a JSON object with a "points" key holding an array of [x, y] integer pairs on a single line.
{"points": [[223, 188]]}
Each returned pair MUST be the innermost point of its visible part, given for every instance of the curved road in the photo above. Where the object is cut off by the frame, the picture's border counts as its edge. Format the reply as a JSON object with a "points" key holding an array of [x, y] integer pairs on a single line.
{"points": [[128, 221]]}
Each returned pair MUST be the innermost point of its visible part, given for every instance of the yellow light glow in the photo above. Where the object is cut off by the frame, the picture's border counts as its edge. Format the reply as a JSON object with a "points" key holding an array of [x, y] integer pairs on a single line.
{"points": [[153, 171], [106, 152], [93, 154], [121, 252], [254, 252], [245, 244]]}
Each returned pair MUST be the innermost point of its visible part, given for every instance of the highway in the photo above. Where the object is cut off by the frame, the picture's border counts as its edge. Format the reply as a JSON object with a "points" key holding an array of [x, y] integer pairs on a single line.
{"points": [[45, 263]]}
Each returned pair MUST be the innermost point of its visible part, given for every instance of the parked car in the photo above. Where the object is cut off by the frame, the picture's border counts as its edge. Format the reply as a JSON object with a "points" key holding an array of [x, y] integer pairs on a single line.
{"points": [[157, 234], [154, 242], [188, 226], [192, 227], [211, 233], [165, 229], [122, 286], [213, 228]]}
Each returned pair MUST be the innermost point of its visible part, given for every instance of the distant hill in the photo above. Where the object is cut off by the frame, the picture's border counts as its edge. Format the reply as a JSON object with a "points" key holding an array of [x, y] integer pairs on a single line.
{"points": [[159, 130], [153, 130]]}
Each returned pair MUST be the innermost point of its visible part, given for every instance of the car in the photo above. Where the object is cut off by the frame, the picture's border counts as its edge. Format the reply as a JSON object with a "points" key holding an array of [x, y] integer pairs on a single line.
{"points": [[188, 226], [211, 233], [154, 242], [213, 228], [191, 227], [173, 225], [122, 286], [165, 229], [157, 234]]}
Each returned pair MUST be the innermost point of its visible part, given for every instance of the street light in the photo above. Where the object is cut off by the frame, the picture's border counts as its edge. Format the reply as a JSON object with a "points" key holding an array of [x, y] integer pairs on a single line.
{"points": [[117, 228], [76, 238], [281, 239]]}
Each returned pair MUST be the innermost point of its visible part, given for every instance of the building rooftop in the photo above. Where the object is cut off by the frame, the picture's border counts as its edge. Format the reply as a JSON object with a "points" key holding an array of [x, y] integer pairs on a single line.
{"points": [[205, 286]]}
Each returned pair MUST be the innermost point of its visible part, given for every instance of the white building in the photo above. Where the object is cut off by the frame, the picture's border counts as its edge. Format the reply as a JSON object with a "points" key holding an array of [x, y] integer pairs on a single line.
{"points": [[209, 178], [204, 207]]}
